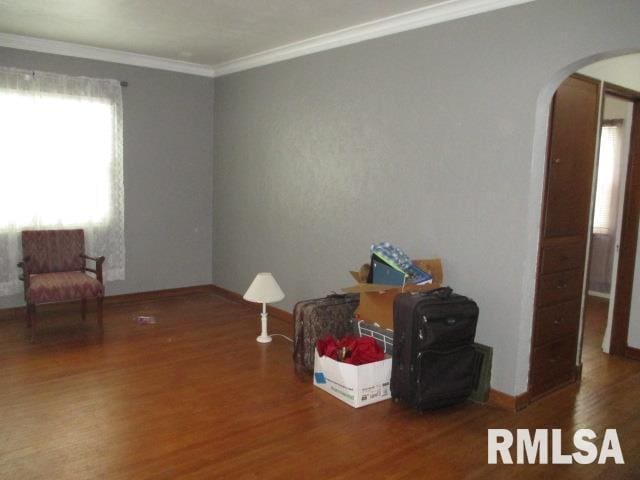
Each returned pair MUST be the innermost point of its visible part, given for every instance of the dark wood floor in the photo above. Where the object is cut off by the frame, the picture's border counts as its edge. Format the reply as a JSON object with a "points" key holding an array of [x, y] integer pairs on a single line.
{"points": [[195, 396]]}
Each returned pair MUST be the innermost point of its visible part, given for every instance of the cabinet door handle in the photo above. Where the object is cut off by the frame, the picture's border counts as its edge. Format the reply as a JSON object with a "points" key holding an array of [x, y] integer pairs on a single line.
{"points": [[561, 285], [558, 321], [556, 161]]}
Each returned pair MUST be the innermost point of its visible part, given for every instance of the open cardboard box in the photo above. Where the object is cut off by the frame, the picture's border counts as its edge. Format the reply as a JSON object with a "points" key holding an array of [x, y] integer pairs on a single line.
{"points": [[376, 300], [356, 385]]}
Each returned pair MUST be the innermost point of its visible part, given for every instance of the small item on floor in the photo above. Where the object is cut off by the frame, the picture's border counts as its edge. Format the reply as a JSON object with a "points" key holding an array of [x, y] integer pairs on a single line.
{"points": [[353, 350], [146, 320]]}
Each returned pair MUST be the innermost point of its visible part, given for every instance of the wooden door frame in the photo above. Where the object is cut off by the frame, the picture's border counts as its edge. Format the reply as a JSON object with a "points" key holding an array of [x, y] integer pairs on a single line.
{"points": [[578, 367], [628, 235], [629, 230]]}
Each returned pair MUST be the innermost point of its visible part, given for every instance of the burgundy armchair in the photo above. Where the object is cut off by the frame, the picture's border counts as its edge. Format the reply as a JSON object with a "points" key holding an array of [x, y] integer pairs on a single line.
{"points": [[54, 270]]}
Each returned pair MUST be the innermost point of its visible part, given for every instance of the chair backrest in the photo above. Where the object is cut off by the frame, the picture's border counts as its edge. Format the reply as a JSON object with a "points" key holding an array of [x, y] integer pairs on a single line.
{"points": [[53, 250]]}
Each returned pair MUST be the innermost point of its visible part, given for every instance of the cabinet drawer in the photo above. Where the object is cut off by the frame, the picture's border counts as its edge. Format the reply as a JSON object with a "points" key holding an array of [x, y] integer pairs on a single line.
{"points": [[556, 321], [564, 256], [554, 357], [559, 287]]}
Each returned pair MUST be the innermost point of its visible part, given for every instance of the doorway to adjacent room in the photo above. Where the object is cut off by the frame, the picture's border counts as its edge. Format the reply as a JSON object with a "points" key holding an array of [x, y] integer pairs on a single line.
{"points": [[587, 257]]}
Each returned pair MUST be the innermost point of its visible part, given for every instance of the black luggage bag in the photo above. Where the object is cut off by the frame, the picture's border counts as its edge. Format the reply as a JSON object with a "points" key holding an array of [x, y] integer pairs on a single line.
{"points": [[317, 318], [434, 362]]}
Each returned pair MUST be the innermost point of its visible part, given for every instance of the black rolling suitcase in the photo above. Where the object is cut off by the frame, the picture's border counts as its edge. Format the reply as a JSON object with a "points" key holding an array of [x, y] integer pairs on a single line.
{"points": [[434, 362], [317, 318]]}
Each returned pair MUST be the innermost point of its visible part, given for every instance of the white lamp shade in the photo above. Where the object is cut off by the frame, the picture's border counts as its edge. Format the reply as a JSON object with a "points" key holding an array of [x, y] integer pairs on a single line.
{"points": [[264, 289]]}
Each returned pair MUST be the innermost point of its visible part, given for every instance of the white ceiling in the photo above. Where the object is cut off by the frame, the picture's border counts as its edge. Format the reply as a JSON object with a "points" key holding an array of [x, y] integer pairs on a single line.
{"points": [[206, 32]]}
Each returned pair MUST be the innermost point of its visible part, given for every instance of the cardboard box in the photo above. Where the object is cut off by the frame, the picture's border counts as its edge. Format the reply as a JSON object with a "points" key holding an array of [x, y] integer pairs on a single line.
{"points": [[376, 300], [357, 386]]}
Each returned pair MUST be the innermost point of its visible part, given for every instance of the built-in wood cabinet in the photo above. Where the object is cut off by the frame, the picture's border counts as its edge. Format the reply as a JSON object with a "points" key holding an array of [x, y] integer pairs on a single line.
{"points": [[564, 233]]}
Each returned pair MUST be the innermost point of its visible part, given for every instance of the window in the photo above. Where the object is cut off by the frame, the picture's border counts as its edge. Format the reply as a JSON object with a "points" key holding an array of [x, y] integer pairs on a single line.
{"points": [[606, 187], [60, 164], [59, 151]]}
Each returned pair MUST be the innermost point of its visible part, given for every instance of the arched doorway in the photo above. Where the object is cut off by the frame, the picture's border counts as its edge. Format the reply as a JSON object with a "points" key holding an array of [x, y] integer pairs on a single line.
{"points": [[563, 243]]}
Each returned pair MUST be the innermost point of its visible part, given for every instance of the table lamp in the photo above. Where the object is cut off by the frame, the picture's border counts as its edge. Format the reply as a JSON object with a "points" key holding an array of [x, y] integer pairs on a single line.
{"points": [[264, 289]]}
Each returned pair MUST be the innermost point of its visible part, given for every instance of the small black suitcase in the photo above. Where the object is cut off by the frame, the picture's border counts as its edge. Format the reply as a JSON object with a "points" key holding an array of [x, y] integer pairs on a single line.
{"points": [[317, 318], [434, 362]]}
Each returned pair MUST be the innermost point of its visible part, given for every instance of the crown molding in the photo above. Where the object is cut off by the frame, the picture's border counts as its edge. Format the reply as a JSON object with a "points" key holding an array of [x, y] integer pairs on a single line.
{"points": [[418, 18], [104, 54], [421, 17]]}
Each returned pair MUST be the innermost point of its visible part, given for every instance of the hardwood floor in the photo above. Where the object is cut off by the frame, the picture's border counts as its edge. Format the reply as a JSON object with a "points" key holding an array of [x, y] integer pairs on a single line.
{"points": [[195, 396], [595, 322]]}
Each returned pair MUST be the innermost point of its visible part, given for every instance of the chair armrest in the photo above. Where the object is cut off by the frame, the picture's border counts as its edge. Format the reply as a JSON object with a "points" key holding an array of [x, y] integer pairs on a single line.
{"points": [[98, 270]]}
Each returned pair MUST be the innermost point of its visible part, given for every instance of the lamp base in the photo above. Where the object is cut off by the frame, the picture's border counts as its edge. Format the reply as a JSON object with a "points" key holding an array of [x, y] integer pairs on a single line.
{"points": [[264, 338]]}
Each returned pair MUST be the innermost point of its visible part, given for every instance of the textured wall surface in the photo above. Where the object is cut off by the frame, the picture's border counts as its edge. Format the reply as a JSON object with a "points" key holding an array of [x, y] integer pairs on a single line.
{"points": [[623, 71], [168, 151], [433, 139]]}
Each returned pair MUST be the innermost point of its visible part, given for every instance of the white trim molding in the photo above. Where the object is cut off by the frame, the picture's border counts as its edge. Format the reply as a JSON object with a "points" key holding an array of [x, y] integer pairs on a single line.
{"points": [[107, 55], [594, 293], [418, 18], [430, 15]]}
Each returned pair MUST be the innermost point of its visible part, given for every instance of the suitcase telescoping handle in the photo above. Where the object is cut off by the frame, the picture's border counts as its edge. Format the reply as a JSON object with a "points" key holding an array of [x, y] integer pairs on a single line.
{"points": [[442, 292]]}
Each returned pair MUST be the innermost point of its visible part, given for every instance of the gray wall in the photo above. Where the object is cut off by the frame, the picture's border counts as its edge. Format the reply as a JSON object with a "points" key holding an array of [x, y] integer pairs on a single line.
{"points": [[433, 139], [623, 71], [168, 151]]}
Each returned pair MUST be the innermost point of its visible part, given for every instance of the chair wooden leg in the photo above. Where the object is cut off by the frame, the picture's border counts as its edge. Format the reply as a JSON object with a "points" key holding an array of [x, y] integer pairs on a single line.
{"points": [[100, 312], [83, 308]]}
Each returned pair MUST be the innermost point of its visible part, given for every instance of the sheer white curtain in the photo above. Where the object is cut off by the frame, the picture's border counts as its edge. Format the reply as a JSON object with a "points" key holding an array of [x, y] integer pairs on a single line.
{"points": [[607, 186], [605, 214], [60, 164]]}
